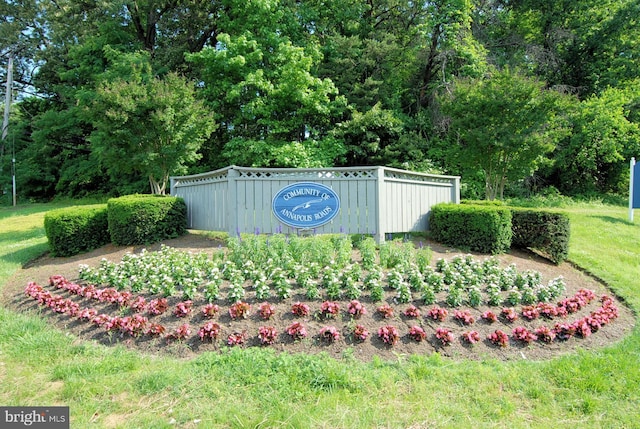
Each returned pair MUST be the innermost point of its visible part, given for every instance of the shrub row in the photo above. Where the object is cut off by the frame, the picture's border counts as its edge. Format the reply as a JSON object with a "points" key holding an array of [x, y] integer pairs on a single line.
{"points": [[494, 228], [144, 219], [77, 229], [481, 228], [128, 220], [543, 231]]}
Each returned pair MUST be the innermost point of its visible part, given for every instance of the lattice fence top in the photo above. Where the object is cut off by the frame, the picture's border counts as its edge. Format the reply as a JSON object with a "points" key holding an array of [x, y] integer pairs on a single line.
{"points": [[420, 177], [306, 174], [201, 179]]}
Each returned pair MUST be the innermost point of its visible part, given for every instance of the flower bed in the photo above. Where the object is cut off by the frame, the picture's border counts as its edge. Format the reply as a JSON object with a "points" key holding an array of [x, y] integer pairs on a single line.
{"points": [[437, 317]]}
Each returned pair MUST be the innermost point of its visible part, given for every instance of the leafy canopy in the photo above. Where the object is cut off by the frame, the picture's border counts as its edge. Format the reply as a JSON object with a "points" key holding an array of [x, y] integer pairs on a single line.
{"points": [[502, 125], [147, 124]]}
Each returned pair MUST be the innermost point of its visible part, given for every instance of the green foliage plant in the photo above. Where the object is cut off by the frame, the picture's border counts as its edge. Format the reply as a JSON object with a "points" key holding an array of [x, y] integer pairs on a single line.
{"points": [[503, 124], [76, 229], [544, 231], [145, 124], [484, 229], [145, 219]]}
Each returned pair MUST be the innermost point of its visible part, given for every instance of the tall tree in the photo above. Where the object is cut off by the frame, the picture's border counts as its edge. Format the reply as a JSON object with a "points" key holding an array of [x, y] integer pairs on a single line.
{"points": [[605, 135], [273, 110], [145, 124], [502, 125]]}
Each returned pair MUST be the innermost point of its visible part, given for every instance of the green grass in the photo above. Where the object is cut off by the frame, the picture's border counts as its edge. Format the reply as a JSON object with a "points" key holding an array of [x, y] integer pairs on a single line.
{"points": [[115, 387]]}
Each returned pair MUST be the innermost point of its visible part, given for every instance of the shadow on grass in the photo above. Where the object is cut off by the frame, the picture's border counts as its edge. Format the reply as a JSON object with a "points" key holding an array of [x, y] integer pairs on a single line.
{"points": [[611, 219]]}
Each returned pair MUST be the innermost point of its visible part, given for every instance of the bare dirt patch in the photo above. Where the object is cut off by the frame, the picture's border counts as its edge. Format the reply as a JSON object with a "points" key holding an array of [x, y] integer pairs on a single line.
{"points": [[39, 271]]}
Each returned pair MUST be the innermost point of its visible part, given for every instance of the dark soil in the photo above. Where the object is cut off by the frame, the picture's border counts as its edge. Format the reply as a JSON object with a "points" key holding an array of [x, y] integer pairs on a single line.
{"points": [[39, 271]]}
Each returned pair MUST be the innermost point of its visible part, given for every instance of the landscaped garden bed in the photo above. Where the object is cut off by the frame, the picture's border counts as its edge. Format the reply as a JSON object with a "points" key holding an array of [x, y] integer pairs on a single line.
{"points": [[323, 295]]}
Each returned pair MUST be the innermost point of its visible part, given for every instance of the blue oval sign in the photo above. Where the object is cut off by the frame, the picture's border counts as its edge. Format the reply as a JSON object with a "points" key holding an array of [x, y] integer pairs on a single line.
{"points": [[305, 205]]}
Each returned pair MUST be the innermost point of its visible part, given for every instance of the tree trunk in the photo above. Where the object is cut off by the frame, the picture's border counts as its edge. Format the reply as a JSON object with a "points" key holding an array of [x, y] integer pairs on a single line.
{"points": [[157, 188]]}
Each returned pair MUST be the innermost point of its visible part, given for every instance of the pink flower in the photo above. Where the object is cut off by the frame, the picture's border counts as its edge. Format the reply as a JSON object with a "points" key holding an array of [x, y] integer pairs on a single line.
{"points": [[412, 311], [386, 311], [183, 309], [297, 331], [329, 333], [471, 337], [210, 310], [210, 331], [499, 338], [438, 313], [299, 309], [356, 308], [360, 332], [388, 334], [417, 333], [329, 308], [267, 335], [445, 336]]}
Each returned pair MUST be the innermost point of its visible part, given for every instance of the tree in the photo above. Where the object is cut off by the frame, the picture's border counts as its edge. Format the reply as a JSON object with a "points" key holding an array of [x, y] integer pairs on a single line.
{"points": [[370, 138], [605, 135], [503, 125], [146, 124], [273, 110]]}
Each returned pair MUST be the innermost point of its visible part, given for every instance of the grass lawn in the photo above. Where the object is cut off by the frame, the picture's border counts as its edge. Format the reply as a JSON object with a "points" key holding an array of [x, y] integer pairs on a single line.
{"points": [[114, 387]]}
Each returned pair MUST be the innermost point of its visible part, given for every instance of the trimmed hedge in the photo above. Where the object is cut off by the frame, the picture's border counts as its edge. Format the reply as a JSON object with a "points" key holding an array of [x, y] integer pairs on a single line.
{"points": [[146, 219], [485, 229], [543, 231], [78, 229]]}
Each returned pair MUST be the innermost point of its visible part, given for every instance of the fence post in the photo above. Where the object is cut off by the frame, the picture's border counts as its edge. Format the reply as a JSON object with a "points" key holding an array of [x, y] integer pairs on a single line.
{"points": [[379, 233], [632, 191], [232, 202]]}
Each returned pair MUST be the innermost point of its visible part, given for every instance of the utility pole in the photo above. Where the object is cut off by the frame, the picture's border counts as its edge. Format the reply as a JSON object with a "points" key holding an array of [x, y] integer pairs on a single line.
{"points": [[5, 122]]}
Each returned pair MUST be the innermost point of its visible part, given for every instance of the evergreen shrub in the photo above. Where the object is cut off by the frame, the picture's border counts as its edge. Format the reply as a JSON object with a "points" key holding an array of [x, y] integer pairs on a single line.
{"points": [[78, 229], [146, 219], [479, 228], [543, 231]]}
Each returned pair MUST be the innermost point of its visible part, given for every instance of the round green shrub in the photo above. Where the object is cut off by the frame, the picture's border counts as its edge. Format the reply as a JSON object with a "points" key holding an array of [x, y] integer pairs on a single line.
{"points": [[77, 229], [145, 219]]}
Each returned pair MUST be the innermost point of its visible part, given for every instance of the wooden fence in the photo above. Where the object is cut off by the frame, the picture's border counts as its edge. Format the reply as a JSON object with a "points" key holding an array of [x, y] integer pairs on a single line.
{"points": [[374, 200]]}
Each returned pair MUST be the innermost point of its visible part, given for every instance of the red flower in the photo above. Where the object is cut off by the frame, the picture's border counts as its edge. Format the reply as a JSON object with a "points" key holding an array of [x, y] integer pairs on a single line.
{"points": [[267, 335], [386, 311], [388, 334], [445, 336], [417, 333], [471, 337], [297, 331], [329, 333], [299, 309]]}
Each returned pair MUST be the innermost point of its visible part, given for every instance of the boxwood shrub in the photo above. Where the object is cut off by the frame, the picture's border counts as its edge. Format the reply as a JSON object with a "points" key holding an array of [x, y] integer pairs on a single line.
{"points": [[146, 219], [480, 228], [543, 231], [77, 229]]}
